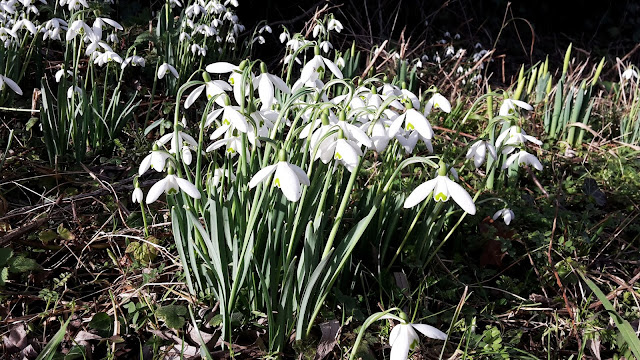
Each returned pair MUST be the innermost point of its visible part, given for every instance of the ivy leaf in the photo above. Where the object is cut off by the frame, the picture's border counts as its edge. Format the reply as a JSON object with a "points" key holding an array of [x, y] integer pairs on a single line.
{"points": [[65, 233], [47, 236], [143, 251], [173, 315], [101, 322], [23, 264]]}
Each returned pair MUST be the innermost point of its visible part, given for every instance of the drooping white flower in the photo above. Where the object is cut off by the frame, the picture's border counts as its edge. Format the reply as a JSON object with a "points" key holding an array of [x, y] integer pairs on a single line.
{"points": [[512, 137], [230, 118], [335, 24], [506, 214], [288, 178], [213, 88], [318, 62], [412, 120], [219, 175], [478, 151], [162, 70], [134, 61], [170, 185], [523, 158], [442, 188], [343, 151], [137, 195], [107, 57], [266, 84], [180, 141], [403, 337], [437, 101], [156, 160], [630, 73], [508, 107]]}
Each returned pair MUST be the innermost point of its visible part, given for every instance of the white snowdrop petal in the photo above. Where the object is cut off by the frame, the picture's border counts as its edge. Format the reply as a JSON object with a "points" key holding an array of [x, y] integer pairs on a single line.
{"points": [[287, 180], [193, 96], [420, 193], [261, 175], [400, 348], [461, 197], [188, 187], [430, 331], [156, 190]]}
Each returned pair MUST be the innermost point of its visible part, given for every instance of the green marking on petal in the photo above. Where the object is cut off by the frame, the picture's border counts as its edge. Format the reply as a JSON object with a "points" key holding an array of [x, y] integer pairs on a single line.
{"points": [[276, 182], [338, 156], [226, 121], [231, 81], [231, 150], [441, 197], [172, 191], [410, 127]]}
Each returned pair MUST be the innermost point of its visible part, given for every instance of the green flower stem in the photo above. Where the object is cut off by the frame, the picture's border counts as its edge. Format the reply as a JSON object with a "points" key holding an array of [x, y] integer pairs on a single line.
{"points": [[341, 210], [144, 219]]}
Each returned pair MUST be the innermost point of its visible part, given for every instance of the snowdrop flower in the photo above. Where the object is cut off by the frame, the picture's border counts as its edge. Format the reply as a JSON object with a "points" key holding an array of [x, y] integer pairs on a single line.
{"points": [[235, 79], [24, 23], [180, 141], [162, 70], [134, 61], [175, 3], [231, 117], [232, 144], [506, 214], [379, 134], [106, 57], [523, 158], [73, 90], [284, 36], [311, 68], [219, 175], [99, 23], [60, 73], [513, 137], [326, 46], [287, 59], [12, 85], [478, 152], [137, 195], [199, 50], [170, 185], [259, 39], [340, 62], [74, 4], [156, 160], [508, 107], [346, 152], [213, 88], [77, 27], [413, 120], [411, 140], [318, 30], [266, 84], [403, 337], [629, 74], [266, 28], [288, 178], [335, 24], [442, 188], [437, 101]]}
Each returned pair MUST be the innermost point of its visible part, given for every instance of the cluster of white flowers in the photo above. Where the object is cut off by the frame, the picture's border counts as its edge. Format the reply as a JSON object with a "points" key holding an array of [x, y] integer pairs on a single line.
{"points": [[209, 24]]}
